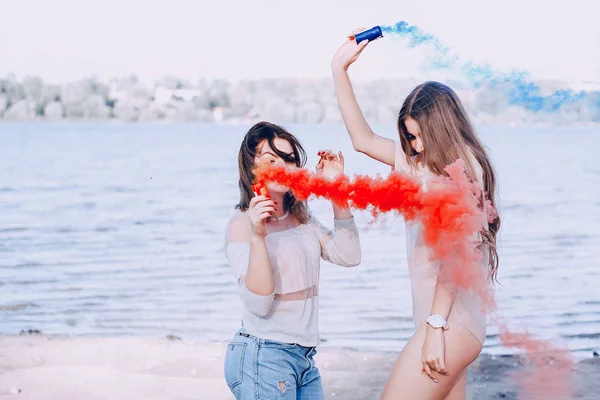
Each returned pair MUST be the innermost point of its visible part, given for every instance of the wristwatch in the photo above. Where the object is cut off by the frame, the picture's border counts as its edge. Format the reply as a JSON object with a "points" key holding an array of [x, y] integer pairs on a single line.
{"points": [[437, 321]]}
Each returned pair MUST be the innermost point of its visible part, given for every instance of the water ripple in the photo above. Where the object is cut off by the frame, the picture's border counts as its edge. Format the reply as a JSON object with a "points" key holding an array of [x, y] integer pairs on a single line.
{"points": [[92, 246]]}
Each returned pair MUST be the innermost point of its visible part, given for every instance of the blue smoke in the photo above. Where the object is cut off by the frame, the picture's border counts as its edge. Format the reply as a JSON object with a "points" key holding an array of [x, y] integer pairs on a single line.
{"points": [[520, 89]]}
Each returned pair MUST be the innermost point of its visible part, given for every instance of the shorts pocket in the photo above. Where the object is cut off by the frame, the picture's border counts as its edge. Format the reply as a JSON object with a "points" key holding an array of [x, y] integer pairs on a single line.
{"points": [[234, 364], [277, 345]]}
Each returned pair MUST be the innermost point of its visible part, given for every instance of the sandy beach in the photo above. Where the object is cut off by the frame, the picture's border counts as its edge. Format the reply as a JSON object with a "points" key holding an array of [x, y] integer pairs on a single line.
{"points": [[40, 367]]}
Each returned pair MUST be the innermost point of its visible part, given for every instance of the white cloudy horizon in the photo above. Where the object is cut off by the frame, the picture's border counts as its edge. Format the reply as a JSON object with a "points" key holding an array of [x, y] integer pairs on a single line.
{"points": [[65, 40]]}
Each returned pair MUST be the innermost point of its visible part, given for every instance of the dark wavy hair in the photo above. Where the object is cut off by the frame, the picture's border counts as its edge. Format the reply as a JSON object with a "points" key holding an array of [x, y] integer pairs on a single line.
{"points": [[256, 135]]}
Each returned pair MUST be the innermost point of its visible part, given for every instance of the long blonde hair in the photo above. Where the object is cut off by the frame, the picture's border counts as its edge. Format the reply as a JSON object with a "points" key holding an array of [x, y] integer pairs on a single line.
{"points": [[448, 135]]}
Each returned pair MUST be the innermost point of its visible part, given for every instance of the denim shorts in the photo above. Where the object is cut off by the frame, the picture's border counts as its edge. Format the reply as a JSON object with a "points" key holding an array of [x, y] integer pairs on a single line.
{"points": [[260, 369]]}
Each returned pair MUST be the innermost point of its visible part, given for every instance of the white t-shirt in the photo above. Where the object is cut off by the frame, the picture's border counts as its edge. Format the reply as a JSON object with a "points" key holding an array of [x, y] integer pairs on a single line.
{"points": [[291, 313]]}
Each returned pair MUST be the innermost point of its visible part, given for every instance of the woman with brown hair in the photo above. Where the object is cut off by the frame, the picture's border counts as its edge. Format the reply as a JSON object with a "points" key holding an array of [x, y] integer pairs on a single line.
{"points": [[274, 246], [434, 131]]}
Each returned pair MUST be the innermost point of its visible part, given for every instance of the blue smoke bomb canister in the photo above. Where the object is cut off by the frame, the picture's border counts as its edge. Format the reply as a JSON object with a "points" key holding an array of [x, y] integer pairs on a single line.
{"points": [[371, 34]]}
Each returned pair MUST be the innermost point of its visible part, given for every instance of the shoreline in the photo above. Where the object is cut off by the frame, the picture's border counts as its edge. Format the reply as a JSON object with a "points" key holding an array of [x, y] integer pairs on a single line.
{"points": [[285, 100], [251, 121], [49, 367]]}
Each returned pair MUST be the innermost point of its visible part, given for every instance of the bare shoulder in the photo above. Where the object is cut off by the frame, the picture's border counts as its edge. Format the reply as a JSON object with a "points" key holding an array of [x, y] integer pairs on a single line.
{"points": [[239, 228], [401, 160]]}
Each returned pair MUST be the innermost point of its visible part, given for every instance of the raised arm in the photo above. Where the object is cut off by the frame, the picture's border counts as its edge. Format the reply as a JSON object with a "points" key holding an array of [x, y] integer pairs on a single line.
{"points": [[363, 138]]}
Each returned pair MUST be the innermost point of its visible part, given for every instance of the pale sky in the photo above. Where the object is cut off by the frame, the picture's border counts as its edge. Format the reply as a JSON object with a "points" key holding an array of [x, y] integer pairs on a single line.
{"points": [[62, 40]]}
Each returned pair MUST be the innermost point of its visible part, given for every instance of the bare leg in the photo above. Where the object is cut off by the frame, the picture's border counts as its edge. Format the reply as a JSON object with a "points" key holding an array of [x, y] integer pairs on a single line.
{"points": [[459, 391], [407, 381]]}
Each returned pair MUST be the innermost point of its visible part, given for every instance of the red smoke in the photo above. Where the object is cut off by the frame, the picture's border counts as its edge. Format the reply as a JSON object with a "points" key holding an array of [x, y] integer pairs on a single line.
{"points": [[449, 210], [548, 367]]}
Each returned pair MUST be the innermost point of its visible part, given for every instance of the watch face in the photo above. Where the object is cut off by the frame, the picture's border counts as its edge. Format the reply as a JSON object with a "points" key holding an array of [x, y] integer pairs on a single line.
{"points": [[436, 321]]}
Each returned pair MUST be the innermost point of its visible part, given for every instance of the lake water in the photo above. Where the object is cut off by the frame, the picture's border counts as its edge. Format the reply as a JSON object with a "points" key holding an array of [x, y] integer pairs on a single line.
{"points": [[114, 229]]}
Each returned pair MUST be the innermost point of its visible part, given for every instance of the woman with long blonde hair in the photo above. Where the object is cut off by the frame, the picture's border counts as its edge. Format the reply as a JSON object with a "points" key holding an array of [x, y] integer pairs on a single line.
{"points": [[434, 131]]}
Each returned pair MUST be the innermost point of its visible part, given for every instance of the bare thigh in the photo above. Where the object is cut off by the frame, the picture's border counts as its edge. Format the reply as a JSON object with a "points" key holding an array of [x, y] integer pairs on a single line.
{"points": [[407, 381], [459, 391]]}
